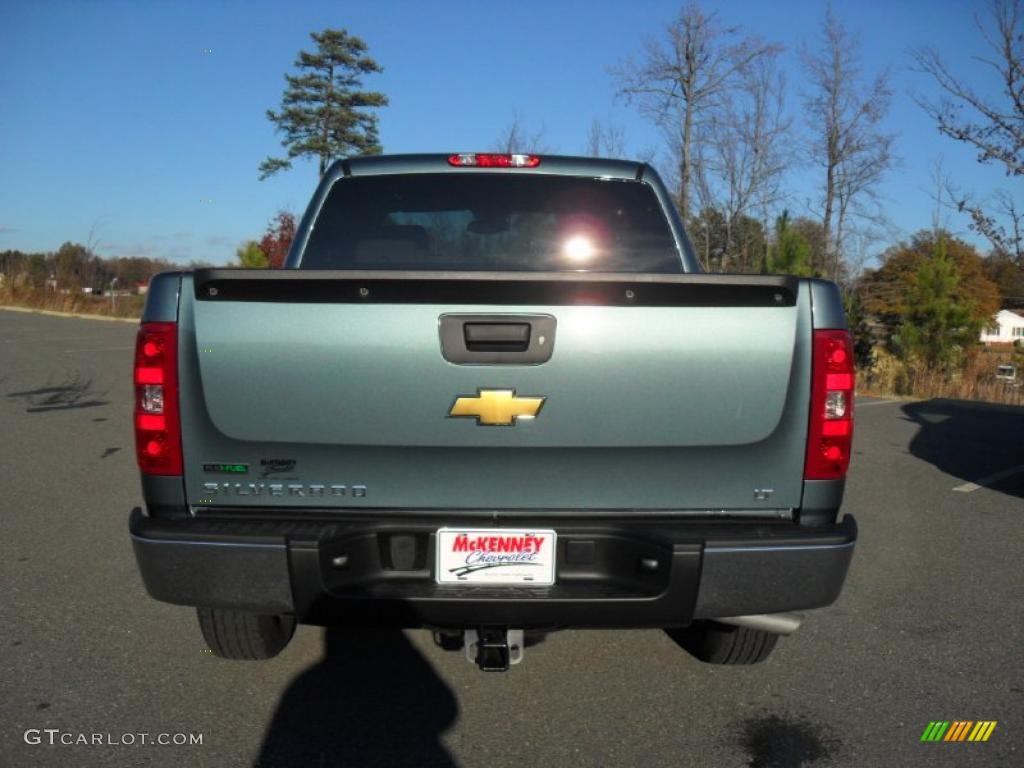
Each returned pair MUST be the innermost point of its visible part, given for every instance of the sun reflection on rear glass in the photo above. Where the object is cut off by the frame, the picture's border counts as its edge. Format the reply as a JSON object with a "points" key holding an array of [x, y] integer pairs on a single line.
{"points": [[578, 248]]}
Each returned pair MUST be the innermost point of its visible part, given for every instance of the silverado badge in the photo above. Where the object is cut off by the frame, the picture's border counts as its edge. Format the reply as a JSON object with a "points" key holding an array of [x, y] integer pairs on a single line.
{"points": [[496, 407]]}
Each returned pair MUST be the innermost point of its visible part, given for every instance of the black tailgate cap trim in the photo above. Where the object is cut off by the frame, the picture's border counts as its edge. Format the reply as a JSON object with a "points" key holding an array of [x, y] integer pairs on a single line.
{"points": [[500, 288]]}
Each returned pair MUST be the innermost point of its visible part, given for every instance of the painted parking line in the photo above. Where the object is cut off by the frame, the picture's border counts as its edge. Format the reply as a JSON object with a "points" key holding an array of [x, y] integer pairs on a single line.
{"points": [[987, 481], [80, 315], [99, 349], [877, 402], [48, 339]]}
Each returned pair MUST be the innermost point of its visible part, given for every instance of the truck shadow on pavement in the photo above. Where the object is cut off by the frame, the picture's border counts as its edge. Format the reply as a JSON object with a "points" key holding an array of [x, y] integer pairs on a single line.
{"points": [[373, 699], [972, 441]]}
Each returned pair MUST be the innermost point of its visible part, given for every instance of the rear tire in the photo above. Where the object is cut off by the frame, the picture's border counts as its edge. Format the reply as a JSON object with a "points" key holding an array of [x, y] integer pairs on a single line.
{"points": [[715, 643], [244, 635]]}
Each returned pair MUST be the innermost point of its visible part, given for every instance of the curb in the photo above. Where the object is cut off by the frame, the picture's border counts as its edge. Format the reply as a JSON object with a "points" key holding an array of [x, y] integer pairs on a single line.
{"points": [[53, 313]]}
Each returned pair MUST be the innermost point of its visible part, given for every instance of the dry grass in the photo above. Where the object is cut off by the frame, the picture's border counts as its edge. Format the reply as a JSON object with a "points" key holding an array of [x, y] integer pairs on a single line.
{"points": [[892, 377], [77, 303]]}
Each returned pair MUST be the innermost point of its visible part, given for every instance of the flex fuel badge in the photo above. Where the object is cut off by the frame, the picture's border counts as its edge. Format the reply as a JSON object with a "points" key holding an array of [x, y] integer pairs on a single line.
{"points": [[233, 469]]}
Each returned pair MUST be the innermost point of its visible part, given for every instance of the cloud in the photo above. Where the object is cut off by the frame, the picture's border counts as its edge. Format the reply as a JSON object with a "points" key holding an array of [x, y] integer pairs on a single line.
{"points": [[180, 247], [142, 248], [219, 241], [8, 230], [153, 248], [178, 252]]}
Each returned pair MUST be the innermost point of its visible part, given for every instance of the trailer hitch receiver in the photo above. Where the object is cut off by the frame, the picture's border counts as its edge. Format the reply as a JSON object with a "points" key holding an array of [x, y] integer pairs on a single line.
{"points": [[494, 649]]}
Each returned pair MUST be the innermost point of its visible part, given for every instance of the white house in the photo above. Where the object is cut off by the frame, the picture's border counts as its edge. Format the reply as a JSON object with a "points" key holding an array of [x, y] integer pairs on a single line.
{"points": [[1006, 327]]}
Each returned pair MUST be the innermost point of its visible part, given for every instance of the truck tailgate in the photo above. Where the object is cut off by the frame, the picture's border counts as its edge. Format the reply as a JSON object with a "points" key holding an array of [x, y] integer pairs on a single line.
{"points": [[667, 392]]}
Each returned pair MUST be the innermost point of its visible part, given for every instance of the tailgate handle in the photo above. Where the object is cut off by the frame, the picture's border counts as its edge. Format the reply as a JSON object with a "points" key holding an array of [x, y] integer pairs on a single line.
{"points": [[496, 337]]}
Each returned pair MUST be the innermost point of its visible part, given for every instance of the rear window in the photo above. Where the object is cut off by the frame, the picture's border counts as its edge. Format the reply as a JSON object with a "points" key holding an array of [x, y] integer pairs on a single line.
{"points": [[489, 221]]}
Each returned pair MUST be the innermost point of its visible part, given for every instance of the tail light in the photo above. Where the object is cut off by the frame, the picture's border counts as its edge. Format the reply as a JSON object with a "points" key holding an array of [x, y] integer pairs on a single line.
{"points": [[477, 160], [157, 419], [830, 435]]}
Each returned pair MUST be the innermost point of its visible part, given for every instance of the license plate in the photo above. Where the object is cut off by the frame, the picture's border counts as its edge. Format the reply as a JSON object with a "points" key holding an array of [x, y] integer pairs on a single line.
{"points": [[495, 556]]}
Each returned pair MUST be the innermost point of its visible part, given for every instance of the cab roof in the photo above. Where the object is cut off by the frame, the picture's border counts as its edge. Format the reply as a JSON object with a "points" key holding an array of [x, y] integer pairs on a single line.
{"points": [[566, 165]]}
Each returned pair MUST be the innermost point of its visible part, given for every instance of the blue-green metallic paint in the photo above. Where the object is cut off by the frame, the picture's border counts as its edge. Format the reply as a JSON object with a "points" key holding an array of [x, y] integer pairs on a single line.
{"points": [[639, 416], [827, 304], [162, 298], [668, 375]]}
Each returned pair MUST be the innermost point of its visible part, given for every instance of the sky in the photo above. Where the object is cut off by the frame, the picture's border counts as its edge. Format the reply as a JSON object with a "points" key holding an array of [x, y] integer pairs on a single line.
{"points": [[139, 126]]}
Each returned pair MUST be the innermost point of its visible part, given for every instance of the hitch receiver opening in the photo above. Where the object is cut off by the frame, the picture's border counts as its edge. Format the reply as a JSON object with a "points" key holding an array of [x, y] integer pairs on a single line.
{"points": [[494, 649]]}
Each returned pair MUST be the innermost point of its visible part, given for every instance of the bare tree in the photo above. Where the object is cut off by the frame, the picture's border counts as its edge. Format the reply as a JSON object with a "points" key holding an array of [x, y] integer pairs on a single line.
{"points": [[939, 194], [994, 126], [92, 273], [515, 138], [844, 115], [93, 242], [743, 153], [857, 177], [606, 140], [678, 81], [707, 223]]}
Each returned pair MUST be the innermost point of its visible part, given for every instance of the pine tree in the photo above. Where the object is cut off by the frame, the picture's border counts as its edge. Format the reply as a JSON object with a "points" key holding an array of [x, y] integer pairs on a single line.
{"points": [[937, 324], [791, 253], [324, 113]]}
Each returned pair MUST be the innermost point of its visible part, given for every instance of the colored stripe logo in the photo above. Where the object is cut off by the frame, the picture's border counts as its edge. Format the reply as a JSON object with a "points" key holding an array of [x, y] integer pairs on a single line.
{"points": [[958, 730]]}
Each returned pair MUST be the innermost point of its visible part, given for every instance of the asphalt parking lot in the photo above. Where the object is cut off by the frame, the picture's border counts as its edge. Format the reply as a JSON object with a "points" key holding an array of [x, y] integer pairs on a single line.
{"points": [[929, 627]]}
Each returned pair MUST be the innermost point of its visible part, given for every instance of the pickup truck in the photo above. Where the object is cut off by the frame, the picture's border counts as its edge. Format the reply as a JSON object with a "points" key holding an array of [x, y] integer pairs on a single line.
{"points": [[493, 396]]}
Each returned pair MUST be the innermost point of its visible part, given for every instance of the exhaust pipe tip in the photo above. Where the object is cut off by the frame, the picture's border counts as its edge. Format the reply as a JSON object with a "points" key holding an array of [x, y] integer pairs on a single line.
{"points": [[774, 623]]}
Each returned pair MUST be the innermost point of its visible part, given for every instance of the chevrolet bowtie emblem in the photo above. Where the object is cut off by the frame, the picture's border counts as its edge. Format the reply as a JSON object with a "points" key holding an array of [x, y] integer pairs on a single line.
{"points": [[496, 407]]}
